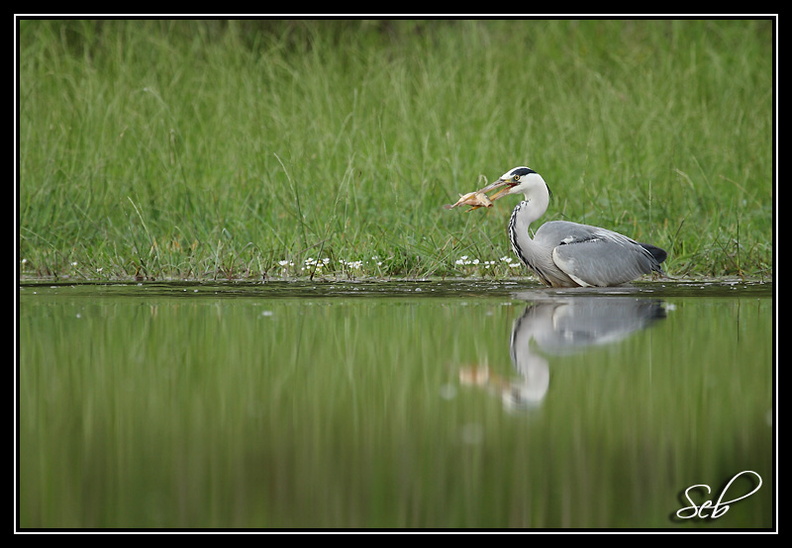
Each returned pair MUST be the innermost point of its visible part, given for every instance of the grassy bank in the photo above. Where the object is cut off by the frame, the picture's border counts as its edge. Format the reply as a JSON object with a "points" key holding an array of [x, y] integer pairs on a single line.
{"points": [[242, 149]]}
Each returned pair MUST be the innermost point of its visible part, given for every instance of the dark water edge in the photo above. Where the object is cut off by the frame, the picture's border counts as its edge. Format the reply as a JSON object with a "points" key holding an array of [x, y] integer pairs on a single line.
{"points": [[398, 288]]}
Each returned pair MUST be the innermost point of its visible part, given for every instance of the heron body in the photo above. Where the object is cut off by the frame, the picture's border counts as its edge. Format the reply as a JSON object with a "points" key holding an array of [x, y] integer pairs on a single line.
{"points": [[567, 254]]}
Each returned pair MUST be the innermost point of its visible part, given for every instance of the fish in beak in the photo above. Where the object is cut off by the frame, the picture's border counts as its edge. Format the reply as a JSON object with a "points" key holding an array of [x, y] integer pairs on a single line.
{"points": [[480, 199], [474, 199], [504, 187]]}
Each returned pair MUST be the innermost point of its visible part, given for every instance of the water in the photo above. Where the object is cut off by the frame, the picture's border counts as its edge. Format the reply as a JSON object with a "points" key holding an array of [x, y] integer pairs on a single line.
{"points": [[395, 405]]}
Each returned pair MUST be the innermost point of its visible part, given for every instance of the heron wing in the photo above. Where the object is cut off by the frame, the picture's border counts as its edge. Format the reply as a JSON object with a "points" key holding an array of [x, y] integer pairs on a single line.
{"points": [[594, 256]]}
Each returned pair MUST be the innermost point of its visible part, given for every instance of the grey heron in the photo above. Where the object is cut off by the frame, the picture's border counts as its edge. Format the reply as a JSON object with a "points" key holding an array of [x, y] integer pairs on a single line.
{"points": [[567, 254]]}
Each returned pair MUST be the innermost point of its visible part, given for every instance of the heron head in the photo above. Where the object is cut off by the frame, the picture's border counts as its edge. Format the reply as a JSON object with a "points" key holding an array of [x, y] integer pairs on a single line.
{"points": [[518, 180]]}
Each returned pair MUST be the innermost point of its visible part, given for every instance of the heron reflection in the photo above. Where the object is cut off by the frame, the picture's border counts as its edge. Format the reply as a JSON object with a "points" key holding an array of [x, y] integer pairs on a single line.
{"points": [[557, 326]]}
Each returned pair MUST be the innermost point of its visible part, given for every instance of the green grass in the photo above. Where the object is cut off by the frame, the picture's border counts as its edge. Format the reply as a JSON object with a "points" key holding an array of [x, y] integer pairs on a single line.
{"points": [[242, 149]]}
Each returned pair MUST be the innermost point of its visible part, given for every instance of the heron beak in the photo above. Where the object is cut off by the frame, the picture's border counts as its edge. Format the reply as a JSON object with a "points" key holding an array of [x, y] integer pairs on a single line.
{"points": [[504, 187]]}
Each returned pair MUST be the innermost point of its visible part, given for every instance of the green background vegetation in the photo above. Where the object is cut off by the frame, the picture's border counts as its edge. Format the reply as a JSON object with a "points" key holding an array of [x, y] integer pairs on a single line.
{"points": [[219, 149]]}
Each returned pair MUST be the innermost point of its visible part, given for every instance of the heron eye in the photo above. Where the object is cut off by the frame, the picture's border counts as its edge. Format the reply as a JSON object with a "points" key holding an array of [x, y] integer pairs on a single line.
{"points": [[516, 177]]}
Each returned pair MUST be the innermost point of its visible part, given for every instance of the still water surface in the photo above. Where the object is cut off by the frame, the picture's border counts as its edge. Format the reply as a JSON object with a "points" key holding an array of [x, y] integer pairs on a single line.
{"points": [[395, 405]]}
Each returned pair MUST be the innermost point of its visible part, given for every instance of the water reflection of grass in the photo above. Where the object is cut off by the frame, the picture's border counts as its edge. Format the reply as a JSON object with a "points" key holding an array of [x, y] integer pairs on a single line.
{"points": [[191, 149], [243, 413]]}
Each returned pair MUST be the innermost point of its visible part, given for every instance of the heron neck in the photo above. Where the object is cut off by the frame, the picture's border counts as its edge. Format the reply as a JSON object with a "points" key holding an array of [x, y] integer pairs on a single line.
{"points": [[531, 253], [535, 205]]}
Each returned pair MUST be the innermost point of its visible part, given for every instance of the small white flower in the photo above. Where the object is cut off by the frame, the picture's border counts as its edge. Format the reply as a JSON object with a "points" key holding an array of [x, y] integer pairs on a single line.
{"points": [[356, 265]]}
